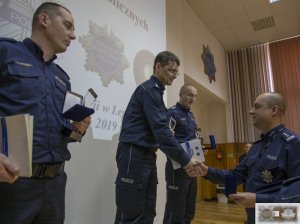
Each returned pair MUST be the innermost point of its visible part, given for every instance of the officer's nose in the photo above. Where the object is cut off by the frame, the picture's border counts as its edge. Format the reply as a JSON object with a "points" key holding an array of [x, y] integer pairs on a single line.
{"points": [[251, 112], [72, 35]]}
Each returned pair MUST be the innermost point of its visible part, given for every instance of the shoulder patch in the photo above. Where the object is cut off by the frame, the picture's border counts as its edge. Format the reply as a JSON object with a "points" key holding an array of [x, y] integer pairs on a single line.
{"points": [[8, 39], [63, 71], [287, 135]]}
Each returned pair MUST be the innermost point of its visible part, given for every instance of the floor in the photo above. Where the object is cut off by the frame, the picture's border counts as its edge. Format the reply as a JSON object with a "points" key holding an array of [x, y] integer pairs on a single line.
{"points": [[213, 212]]}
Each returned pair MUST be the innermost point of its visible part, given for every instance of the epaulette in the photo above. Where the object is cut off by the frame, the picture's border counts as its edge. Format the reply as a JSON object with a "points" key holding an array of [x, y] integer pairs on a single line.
{"points": [[287, 135], [156, 85], [63, 71], [8, 39]]}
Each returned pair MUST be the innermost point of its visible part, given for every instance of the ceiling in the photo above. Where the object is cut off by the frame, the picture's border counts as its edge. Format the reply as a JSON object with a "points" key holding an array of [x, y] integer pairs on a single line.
{"points": [[231, 21]]}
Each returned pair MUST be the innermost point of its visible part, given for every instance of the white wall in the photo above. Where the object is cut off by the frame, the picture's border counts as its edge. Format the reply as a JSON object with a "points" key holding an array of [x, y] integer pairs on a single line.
{"points": [[186, 35]]}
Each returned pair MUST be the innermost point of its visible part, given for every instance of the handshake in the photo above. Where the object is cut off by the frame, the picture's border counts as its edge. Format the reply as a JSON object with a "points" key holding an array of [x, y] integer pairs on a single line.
{"points": [[195, 168]]}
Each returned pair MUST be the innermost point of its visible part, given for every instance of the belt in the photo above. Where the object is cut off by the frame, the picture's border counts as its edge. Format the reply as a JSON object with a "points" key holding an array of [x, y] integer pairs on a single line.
{"points": [[47, 170]]}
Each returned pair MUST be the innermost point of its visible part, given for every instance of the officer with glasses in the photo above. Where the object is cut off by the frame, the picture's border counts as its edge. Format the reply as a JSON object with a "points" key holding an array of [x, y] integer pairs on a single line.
{"points": [[144, 130]]}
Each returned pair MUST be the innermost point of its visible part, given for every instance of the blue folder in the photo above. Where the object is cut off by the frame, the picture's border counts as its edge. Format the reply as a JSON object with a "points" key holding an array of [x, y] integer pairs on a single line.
{"points": [[78, 112]]}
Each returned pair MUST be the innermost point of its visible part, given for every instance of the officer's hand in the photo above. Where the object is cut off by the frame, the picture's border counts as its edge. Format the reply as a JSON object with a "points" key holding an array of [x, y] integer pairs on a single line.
{"points": [[9, 171], [83, 125], [189, 169], [192, 168], [202, 169], [247, 199]]}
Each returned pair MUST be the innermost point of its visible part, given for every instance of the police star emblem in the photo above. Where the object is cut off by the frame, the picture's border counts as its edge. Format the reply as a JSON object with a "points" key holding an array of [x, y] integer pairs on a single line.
{"points": [[209, 64], [105, 54], [289, 214], [267, 176]]}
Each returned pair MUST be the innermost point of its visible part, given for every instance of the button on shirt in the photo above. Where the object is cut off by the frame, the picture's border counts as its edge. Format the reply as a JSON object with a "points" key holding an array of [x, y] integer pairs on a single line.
{"points": [[185, 128], [30, 85], [145, 124], [270, 161]]}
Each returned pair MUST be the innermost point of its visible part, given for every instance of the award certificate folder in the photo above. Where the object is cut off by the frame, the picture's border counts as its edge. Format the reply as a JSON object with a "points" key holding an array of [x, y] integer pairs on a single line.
{"points": [[16, 135], [74, 109], [194, 149]]}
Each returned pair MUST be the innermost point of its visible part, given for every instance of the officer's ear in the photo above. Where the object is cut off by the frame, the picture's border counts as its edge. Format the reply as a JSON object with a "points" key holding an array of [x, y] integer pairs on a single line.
{"points": [[44, 19], [275, 108], [157, 67]]}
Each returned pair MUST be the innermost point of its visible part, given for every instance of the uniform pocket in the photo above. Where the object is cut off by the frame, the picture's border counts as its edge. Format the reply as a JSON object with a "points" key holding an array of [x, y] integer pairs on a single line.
{"points": [[22, 80], [61, 84], [22, 70], [132, 182]]}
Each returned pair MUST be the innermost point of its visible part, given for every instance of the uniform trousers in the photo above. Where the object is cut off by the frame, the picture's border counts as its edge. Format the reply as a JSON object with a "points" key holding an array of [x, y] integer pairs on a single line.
{"points": [[136, 184], [33, 200], [181, 196]]}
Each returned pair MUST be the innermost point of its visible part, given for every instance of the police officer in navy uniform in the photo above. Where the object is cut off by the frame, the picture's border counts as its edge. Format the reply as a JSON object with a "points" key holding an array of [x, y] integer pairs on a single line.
{"points": [[273, 159], [30, 82], [181, 188], [144, 129]]}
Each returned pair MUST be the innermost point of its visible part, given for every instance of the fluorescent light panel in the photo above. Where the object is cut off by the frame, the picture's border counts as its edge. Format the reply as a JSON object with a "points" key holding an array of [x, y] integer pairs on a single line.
{"points": [[273, 1]]}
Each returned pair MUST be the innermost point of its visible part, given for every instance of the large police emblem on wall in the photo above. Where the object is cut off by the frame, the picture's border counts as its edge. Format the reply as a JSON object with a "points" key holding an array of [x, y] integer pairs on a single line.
{"points": [[105, 54], [209, 64]]}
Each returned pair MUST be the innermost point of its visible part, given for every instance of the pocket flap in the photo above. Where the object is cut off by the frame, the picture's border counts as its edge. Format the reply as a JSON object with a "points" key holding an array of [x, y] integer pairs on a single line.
{"points": [[22, 69]]}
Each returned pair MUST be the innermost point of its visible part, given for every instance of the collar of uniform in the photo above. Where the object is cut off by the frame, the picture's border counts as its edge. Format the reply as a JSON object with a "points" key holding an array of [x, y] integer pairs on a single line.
{"points": [[179, 105], [36, 49], [158, 83], [272, 133]]}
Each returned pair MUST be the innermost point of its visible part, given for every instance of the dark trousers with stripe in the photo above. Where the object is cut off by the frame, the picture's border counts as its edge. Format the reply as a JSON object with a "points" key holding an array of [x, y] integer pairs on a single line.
{"points": [[136, 185], [181, 196]]}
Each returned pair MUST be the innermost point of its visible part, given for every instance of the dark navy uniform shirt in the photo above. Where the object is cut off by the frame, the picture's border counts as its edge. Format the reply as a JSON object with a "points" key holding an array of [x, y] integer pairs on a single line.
{"points": [[145, 123], [290, 191], [30, 85], [270, 161], [185, 128]]}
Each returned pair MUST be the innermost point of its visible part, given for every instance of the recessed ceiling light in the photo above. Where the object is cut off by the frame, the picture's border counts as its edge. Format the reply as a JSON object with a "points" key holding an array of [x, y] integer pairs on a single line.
{"points": [[273, 1]]}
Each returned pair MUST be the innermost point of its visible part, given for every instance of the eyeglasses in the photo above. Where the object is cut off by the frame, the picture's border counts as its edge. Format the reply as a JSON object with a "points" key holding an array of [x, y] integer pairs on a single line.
{"points": [[173, 72]]}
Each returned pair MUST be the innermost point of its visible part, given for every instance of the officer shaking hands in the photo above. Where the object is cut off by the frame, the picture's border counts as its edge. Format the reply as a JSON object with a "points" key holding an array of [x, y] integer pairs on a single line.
{"points": [[144, 130], [271, 161]]}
